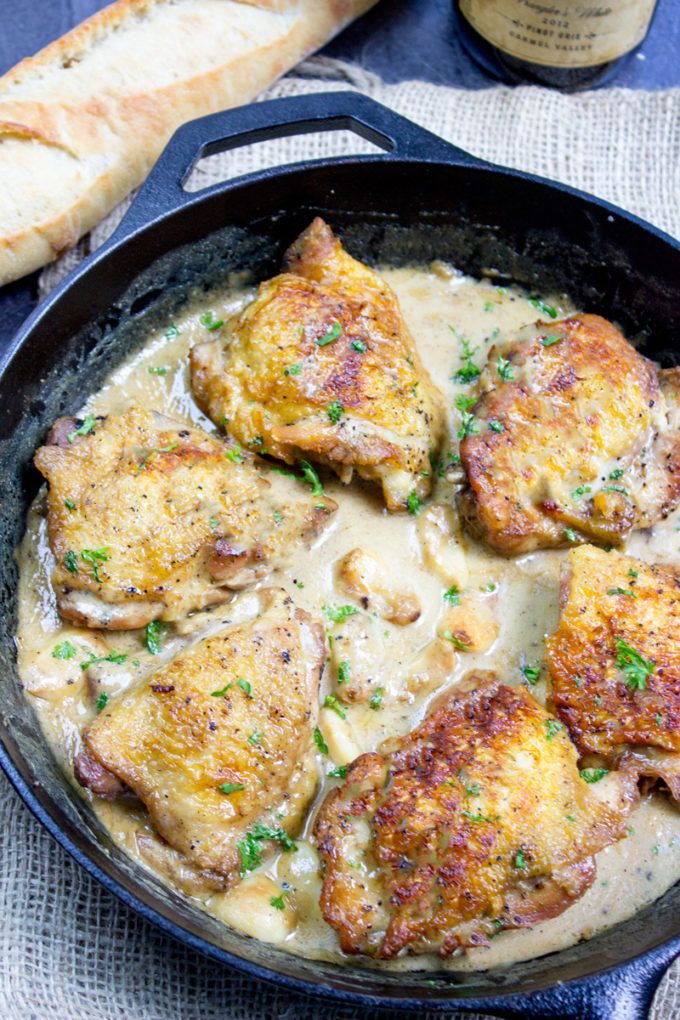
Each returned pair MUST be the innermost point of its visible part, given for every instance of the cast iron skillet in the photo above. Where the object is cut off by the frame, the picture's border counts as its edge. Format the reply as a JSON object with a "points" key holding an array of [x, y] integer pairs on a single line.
{"points": [[425, 199]]}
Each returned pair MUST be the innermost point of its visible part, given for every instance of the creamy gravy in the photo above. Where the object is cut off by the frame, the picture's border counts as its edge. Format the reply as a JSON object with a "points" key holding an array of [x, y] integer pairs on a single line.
{"points": [[442, 308]]}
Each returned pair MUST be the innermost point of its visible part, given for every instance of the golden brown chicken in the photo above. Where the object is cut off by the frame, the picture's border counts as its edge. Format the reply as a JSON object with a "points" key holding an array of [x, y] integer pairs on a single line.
{"points": [[615, 662], [218, 744], [149, 519], [575, 437], [322, 366], [476, 821]]}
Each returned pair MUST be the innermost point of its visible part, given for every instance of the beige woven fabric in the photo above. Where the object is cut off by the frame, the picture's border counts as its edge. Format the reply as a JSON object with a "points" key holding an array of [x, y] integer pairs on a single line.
{"points": [[69, 950]]}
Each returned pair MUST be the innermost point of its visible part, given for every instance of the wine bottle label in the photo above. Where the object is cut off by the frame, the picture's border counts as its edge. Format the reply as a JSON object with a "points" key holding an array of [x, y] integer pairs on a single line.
{"points": [[562, 33]]}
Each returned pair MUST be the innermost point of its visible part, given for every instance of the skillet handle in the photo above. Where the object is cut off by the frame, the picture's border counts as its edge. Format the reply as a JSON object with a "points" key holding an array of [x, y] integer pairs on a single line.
{"points": [[620, 993], [278, 118]]}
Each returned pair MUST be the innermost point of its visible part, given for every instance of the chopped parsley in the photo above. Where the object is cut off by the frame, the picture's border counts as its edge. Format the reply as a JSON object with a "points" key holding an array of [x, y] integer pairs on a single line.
{"points": [[552, 728], [209, 321], [330, 701], [479, 817], [338, 614], [83, 429], [548, 341], [496, 426], [343, 672], [469, 426], [358, 345], [310, 476], [278, 516], [452, 595], [622, 591], [102, 701], [69, 504], [321, 744], [504, 369], [335, 411], [71, 562], [376, 701], [171, 332], [153, 635], [456, 642], [157, 370], [542, 306], [213, 523], [468, 371], [593, 775], [339, 772], [581, 490], [234, 454], [277, 903], [255, 738], [64, 650], [414, 503], [615, 475], [222, 693], [632, 572], [245, 687], [489, 306], [292, 369], [118, 658], [231, 788], [531, 674], [249, 847], [520, 861], [570, 535], [635, 666], [94, 557], [615, 488], [328, 338]]}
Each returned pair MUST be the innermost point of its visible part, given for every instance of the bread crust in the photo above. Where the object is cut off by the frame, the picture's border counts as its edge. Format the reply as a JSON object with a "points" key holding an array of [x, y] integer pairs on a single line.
{"points": [[83, 121]]}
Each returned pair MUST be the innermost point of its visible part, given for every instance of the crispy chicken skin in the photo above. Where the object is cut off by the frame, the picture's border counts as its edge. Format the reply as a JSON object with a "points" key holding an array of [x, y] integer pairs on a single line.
{"points": [[149, 519], [322, 366], [174, 740], [615, 662], [585, 443], [477, 820]]}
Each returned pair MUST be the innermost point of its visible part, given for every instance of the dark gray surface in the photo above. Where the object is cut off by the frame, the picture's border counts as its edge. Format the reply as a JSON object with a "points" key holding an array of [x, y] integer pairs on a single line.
{"points": [[398, 40]]}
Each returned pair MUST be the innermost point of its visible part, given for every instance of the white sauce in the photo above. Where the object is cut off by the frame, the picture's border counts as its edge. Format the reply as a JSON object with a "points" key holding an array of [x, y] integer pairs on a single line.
{"points": [[630, 874]]}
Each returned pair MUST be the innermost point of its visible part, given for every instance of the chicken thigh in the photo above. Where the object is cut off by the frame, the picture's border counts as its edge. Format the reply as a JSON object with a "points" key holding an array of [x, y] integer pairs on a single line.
{"points": [[575, 437], [615, 662], [149, 519], [322, 366], [218, 743], [476, 821]]}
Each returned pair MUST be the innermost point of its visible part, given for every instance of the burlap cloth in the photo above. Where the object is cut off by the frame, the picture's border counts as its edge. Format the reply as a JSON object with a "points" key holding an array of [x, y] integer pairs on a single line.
{"points": [[69, 950]]}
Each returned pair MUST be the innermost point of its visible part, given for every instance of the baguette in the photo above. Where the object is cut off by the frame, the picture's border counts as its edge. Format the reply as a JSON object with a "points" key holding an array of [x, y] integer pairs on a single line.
{"points": [[83, 121]]}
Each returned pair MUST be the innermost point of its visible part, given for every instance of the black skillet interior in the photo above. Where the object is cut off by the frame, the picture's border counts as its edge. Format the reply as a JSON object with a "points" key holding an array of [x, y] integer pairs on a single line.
{"points": [[425, 199]]}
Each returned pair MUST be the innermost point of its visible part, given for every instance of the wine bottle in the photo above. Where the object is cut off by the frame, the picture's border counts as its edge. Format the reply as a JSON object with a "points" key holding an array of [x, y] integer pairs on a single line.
{"points": [[566, 44]]}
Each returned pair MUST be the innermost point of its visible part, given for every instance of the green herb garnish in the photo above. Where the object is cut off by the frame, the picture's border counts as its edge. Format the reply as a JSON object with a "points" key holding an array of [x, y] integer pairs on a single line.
{"points": [[102, 701], [321, 744], [452, 595], [414, 503], [376, 701], [520, 862], [455, 641], [152, 636], [593, 775], [531, 674], [330, 701], [69, 504], [82, 430], [358, 345], [310, 476], [543, 307], [338, 614], [635, 666], [249, 848], [339, 772], [277, 903], [335, 411], [245, 687], [333, 334], [231, 788], [496, 426], [622, 591], [292, 369], [94, 557], [64, 650], [505, 370], [209, 321], [552, 728], [343, 672]]}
